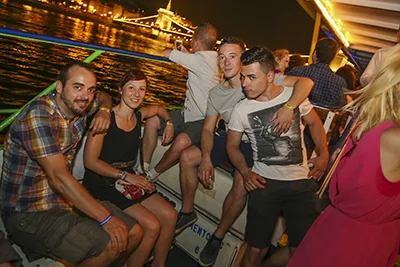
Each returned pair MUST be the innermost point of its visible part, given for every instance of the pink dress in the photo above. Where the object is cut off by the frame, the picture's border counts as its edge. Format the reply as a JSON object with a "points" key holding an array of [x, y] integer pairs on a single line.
{"points": [[362, 226]]}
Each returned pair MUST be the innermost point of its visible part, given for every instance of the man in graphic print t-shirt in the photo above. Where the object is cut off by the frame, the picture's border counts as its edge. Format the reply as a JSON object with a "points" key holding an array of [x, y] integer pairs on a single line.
{"points": [[280, 181]]}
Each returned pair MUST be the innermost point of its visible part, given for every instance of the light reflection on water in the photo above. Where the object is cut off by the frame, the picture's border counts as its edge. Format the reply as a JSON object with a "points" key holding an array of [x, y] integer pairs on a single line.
{"points": [[27, 67]]}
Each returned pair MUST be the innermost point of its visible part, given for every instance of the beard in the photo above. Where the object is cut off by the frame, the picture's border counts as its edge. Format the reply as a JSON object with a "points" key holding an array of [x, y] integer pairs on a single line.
{"points": [[71, 106]]}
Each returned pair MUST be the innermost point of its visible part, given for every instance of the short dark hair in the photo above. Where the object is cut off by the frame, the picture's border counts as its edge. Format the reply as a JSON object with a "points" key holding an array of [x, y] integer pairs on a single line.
{"points": [[64, 73], [233, 40], [349, 75], [326, 50], [259, 54], [206, 34], [132, 75]]}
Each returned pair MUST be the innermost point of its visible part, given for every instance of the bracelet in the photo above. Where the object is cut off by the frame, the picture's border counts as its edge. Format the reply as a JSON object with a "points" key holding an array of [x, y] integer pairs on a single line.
{"points": [[289, 106], [106, 220], [105, 109], [169, 122], [122, 175]]}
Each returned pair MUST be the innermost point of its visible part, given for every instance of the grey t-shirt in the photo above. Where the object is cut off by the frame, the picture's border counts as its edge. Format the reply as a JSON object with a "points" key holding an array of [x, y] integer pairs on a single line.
{"points": [[222, 101], [203, 75]]}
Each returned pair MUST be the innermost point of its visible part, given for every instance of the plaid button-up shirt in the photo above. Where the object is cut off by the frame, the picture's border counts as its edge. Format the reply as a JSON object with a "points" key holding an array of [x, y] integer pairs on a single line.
{"points": [[41, 130], [328, 87]]}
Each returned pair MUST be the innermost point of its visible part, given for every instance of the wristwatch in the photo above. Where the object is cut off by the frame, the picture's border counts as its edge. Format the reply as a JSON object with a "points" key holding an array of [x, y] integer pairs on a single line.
{"points": [[169, 122]]}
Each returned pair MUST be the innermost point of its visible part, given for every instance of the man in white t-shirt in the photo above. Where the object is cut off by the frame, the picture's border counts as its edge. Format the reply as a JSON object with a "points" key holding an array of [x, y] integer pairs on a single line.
{"points": [[280, 180], [198, 161], [203, 74]]}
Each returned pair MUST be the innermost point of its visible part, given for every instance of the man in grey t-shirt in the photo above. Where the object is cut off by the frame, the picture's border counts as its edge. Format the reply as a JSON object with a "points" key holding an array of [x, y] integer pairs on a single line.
{"points": [[198, 162]]}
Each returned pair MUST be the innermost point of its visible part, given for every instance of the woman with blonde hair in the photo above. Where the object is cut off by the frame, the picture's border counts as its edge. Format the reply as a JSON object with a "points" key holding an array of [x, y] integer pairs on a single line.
{"points": [[361, 227], [282, 60]]}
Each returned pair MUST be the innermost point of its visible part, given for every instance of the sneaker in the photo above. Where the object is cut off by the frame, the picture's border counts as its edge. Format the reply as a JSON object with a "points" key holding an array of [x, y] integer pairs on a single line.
{"points": [[184, 221], [152, 175], [209, 254], [138, 170]]}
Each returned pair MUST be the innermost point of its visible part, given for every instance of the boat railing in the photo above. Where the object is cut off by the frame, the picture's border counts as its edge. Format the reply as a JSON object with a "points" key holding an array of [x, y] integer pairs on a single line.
{"points": [[97, 51]]}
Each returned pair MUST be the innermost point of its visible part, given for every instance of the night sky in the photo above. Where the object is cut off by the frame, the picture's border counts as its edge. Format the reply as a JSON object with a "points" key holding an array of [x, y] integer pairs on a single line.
{"points": [[273, 23]]}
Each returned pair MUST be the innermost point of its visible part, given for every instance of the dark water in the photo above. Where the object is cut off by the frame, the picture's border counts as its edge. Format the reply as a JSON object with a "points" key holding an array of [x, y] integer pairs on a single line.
{"points": [[27, 67]]}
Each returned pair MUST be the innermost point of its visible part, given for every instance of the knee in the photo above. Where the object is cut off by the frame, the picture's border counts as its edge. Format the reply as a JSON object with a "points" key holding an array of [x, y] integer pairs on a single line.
{"points": [[181, 142], [151, 227], [152, 123], [254, 255], [168, 216], [135, 235], [188, 158]]}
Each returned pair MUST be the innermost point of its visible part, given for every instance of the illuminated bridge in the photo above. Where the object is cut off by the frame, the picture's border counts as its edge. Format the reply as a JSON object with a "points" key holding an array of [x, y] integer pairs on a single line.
{"points": [[165, 21]]}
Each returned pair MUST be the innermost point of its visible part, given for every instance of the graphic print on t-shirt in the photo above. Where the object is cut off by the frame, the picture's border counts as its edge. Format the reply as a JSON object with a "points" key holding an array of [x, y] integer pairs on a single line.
{"points": [[271, 149]]}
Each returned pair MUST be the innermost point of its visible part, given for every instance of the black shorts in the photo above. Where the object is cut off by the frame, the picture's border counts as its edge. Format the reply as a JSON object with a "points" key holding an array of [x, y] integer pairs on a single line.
{"points": [[296, 200], [220, 155], [62, 234], [192, 128]]}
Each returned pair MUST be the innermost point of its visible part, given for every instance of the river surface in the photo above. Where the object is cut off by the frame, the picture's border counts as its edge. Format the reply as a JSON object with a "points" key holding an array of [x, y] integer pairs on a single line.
{"points": [[27, 67]]}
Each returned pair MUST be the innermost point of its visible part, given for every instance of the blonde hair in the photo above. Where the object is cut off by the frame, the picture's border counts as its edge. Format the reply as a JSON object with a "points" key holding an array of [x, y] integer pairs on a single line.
{"points": [[280, 53], [380, 100]]}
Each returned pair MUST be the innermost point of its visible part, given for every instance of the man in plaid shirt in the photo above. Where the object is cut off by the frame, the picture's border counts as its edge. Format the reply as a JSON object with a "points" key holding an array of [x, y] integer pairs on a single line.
{"points": [[328, 87], [41, 203]]}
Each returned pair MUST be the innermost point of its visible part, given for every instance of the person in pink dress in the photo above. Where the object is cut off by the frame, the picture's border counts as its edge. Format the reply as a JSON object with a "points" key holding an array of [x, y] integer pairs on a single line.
{"points": [[361, 228]]}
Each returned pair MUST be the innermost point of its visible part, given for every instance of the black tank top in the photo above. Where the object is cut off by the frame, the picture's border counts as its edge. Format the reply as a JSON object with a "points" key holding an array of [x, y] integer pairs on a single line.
{"points": [[119, 145]]}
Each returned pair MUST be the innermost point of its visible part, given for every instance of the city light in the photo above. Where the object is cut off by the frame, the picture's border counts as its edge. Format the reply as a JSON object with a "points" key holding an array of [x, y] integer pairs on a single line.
{"points": [[166, 21]]}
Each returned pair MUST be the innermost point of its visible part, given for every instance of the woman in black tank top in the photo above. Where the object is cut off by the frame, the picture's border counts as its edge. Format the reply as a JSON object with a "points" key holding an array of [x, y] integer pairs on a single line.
{"points": [[112, 155]]}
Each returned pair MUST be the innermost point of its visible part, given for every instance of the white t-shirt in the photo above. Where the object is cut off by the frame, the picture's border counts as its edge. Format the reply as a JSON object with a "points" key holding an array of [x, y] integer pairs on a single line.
{"points": [[203, 75], [275, 157], [221, 101]]}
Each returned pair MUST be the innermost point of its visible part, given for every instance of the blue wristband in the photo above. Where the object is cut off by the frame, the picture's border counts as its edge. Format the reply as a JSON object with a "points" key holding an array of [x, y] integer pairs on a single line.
{"points": [[123, 176], [106, 220]]}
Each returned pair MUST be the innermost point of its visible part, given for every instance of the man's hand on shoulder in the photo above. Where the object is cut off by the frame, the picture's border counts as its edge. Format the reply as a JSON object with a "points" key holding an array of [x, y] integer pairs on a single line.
{"points": [[100, 122]]}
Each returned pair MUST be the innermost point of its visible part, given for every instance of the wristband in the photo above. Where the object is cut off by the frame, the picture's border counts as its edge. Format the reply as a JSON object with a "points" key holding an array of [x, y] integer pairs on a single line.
{"points": [[122, 175], [289, 106], [105, 109], [106, 220]]}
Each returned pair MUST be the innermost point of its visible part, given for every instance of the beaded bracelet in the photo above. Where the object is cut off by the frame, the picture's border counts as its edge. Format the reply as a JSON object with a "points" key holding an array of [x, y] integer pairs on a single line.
{"points": [[106, 220]]}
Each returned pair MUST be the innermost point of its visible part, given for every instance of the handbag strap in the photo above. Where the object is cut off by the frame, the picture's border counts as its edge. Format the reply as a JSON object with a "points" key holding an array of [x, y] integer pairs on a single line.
{"points": [[141, 160]]}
